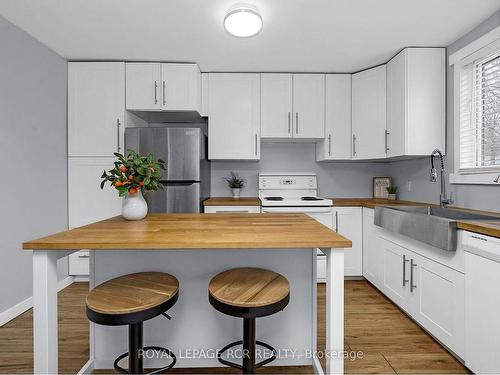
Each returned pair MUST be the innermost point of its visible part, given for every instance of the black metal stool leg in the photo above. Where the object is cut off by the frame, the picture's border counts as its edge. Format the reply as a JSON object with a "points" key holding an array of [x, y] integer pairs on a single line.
{"points": [[135, 360], [249, 345]]}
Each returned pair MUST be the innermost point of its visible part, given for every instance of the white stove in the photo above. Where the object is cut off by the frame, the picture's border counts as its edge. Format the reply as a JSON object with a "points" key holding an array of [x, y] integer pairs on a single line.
{"points": [[291, 193]]}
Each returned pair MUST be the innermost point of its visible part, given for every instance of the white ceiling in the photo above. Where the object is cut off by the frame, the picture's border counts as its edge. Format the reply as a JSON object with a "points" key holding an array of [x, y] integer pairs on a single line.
{"points": [[298, 35]]}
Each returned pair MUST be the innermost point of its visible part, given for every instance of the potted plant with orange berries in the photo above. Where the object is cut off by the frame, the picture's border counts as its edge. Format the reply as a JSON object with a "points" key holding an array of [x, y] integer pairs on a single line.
{"points": [[131, 176]]}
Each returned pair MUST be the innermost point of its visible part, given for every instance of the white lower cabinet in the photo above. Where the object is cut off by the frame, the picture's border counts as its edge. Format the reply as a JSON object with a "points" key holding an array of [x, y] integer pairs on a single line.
{"points": [[349, 223], [78, 263], [430, 292], [373, 266], [232, 209]]}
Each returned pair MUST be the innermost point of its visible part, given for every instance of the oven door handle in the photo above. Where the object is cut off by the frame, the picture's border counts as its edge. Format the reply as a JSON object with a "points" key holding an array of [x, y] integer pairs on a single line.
{"points": [[291, 210]]}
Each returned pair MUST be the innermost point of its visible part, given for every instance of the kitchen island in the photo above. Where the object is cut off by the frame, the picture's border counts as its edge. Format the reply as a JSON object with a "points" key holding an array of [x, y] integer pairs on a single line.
{"points": [[195, 247]]}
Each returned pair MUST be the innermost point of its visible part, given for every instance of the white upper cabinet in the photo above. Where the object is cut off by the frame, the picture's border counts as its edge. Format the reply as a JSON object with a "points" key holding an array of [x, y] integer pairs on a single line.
{"points": [[181, 87], [369, 114], [308, 106], [163, 87], [337, 142], [416, 80], [143, 86], [293, 106], [234, 116], [96, 108], [276, 102]]}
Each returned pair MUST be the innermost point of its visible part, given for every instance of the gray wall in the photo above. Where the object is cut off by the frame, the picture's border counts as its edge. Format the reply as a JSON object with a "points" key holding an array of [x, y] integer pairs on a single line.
{"points": [[484, 197], [336, 179], [33, 154]]}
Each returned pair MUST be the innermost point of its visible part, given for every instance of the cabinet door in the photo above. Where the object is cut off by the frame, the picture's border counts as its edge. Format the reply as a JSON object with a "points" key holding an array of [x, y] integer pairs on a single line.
{"points": [[337, 141], [396, 268], [276, 105], [308, 105], [350, 224], [396, 105], [180, 87], [234, 116], [87, 202], [373, 257], [369, 113], [143, 86], [96, 97], [437, 301]]}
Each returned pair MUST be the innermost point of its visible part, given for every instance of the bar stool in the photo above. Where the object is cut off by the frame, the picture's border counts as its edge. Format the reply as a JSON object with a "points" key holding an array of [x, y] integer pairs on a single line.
{"points": [[248, 293], [131, 300]]}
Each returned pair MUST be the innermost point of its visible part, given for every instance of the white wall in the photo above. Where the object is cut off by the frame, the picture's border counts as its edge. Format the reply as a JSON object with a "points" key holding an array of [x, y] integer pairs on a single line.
{"points": [[335, 179], [33, 155]]}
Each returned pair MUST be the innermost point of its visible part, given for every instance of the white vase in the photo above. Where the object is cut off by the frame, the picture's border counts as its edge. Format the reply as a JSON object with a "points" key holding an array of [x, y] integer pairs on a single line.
{"points": [[134, 207], [236, 192]]}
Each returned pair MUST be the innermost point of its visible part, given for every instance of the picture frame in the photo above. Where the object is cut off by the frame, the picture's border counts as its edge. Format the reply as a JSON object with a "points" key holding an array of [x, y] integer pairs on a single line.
{"points": [[380, 185]]}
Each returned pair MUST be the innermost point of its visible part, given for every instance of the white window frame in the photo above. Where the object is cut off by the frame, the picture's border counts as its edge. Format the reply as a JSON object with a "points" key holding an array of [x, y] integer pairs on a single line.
{"points": [[487, 44]]}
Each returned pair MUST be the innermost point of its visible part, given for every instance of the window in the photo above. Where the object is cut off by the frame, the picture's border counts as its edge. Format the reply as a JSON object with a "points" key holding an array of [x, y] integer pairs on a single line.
{"points": [[476, 114], [480, 115]]}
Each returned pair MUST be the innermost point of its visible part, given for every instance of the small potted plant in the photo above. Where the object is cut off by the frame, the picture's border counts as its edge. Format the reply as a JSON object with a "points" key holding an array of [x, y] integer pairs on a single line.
{"points": [[131, 176], [391, 192], [235, 183]]}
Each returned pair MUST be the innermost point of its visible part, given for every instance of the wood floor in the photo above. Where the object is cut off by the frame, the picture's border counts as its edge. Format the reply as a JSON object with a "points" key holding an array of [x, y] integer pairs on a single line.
{"points": [[389, 341]]}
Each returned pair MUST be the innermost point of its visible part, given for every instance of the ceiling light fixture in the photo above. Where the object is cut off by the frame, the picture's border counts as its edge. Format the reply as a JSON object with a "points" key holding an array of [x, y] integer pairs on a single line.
{"points": [[243, 21]]}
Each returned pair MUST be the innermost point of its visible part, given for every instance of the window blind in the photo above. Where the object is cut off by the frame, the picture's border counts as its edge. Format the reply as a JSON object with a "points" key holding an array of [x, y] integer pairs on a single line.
{"points": [[480, 114]]}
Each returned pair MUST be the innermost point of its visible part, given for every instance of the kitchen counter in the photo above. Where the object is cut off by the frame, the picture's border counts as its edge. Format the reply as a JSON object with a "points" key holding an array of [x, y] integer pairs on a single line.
{"points": [[194, 248], [486, 227], [229, 201], [197, 231]]}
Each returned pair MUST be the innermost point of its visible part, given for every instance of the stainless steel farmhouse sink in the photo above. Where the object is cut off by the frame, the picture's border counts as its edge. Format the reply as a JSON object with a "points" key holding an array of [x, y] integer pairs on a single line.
{"points": [[435, 226]]}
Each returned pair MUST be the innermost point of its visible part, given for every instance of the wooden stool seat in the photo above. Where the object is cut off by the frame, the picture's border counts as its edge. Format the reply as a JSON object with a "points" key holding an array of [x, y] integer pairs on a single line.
{"points": [[132, 298], [248, 290], [248, 293]]}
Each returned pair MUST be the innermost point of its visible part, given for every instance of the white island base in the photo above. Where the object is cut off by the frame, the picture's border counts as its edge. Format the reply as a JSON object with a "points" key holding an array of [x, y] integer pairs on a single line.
{"points": [[197, 330]]}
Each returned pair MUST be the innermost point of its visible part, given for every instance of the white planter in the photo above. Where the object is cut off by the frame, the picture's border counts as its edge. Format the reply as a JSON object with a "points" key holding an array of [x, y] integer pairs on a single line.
{"points": [[134, 207], [391, 197], [236, 192]]}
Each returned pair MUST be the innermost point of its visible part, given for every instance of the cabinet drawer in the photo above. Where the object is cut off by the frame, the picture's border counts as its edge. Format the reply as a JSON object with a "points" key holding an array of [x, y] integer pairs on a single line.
{"points": [[79, 263], [232, 209]]}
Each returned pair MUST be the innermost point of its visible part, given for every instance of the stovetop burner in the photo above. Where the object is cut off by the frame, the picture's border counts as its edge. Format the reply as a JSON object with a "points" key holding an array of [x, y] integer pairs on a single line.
{"points": [[273, 198], [311, 199]]}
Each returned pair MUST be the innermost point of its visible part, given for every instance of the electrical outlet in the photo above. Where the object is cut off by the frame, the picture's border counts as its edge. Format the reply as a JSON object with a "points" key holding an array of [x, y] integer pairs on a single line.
{"points": [[409, 185]]}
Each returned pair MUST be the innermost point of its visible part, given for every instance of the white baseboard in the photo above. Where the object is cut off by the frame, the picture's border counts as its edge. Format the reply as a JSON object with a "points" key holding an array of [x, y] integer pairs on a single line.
{"points": [[81, 279], [87, 368], [16, 310]]}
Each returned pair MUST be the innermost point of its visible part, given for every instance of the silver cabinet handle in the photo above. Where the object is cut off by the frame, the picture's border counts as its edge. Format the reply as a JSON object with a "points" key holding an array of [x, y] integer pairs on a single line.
{"points": [[83, 256], [354, 145], [336, 221], [412, 265], [164, 94], [255, 144], [233, 212], [296, 122], [329, 144], [386, 141], [118, 134], [479, 238], [289, 122], [156, 95], [404, 270]]}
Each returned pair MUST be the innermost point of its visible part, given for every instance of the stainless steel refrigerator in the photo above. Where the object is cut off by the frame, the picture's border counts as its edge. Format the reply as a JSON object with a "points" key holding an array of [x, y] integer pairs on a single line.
{"points": [[186, 182]]}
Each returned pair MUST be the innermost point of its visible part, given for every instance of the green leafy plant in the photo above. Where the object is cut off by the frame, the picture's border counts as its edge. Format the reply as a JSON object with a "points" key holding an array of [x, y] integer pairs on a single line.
{"points": [[392, 189], [235, 181], [133, 173]]}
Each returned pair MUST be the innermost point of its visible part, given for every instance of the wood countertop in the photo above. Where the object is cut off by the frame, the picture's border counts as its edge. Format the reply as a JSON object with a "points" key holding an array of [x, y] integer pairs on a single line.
{"points": [[229, 201], [486, 227], [197, 231]]}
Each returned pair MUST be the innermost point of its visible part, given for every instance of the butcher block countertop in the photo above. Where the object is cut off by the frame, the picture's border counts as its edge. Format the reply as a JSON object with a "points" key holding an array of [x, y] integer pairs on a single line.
{"points": [[197, 231], [229, 201], [486, 227]]}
